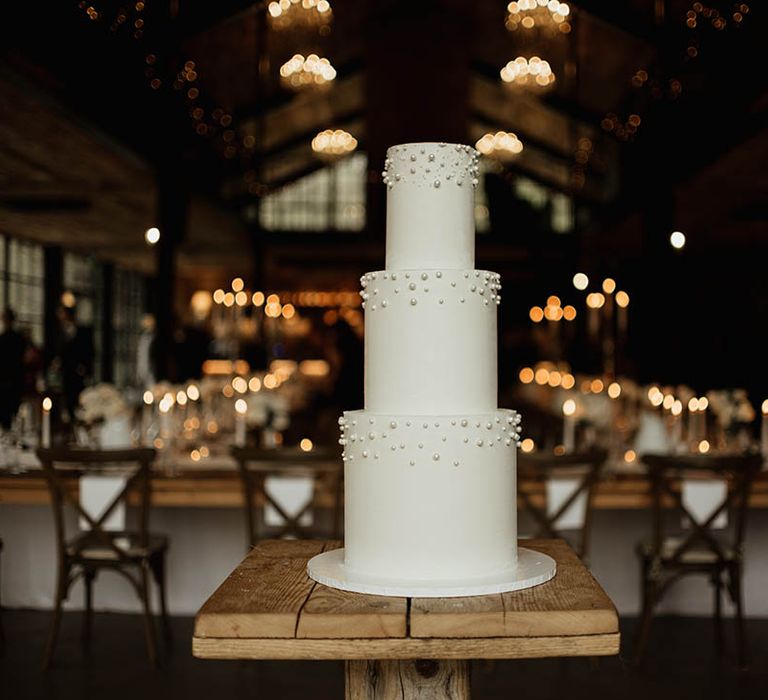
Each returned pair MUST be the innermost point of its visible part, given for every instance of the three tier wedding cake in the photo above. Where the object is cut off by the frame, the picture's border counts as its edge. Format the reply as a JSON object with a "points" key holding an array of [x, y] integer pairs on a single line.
{"points": [[430, 462]]}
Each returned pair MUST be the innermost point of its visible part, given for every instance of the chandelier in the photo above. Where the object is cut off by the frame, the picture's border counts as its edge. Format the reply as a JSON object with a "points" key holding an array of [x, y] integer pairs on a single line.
{"points": [[503, 145], [309, 14], [300, 73], [331, 144], [528, 72], [547, 15]]}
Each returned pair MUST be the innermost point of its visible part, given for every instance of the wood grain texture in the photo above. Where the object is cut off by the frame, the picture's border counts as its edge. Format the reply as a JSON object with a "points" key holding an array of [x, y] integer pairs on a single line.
{"points": [[571, 603], [264, 595], [408, 648], [395, 680]]}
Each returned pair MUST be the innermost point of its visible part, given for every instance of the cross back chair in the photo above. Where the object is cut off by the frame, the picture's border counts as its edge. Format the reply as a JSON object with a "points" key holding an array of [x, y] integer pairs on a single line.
{"points": [[134, 554], [538, 468], [674, 552], [255, 465]]}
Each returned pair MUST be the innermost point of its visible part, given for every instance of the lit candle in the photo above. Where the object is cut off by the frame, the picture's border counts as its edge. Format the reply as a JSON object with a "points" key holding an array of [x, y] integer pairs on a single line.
{"points": [[241, 408], [146, 416], [764, 430], [569, 425], [45, 437], [165, 406]]}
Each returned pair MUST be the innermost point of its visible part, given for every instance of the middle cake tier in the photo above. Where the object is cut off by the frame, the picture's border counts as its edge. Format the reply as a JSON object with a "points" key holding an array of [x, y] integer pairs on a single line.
{"points": [[430, 341]]}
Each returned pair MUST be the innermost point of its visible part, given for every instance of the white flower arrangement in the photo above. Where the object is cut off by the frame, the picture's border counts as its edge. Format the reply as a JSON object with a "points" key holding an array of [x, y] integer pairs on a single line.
{"points": [[101, 402]]}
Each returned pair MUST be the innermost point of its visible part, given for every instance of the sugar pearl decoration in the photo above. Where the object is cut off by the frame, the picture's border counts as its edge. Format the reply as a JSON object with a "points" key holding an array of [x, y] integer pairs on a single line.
{"points": [[413, 302]]}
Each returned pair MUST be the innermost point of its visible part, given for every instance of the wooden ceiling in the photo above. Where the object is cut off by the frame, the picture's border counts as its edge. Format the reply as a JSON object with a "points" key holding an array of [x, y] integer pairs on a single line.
{"points": [[81, 132]]}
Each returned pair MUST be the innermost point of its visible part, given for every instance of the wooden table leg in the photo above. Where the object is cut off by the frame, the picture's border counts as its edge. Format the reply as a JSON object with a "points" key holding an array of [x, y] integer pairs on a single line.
{"points": [[403, 680]]}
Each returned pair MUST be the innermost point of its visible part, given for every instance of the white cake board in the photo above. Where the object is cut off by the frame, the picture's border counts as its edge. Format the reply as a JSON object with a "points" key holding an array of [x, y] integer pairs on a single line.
{"points": [[533, 568]]}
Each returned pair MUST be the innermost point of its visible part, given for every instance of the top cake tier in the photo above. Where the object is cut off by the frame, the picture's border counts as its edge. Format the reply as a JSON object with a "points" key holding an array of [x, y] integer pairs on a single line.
{"points": [[430, 206]]}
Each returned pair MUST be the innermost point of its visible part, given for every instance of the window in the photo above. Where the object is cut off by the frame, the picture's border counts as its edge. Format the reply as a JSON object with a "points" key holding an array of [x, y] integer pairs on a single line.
{"points": [[332, 198], [82, 277], [24, 275], [128, 301]]}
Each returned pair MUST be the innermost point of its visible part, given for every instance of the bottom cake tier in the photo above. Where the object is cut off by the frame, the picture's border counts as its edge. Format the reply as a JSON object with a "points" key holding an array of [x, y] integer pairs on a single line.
{"points": [[430, 498]]}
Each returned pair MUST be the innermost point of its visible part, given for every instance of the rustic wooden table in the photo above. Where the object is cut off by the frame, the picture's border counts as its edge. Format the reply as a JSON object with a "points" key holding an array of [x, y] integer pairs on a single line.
{"points": [[268, 608]]}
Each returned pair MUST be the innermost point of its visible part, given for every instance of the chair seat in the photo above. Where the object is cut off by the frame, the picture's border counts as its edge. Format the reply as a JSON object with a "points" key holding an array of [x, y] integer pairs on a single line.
{"points": [[84, 548], [695, 555]]}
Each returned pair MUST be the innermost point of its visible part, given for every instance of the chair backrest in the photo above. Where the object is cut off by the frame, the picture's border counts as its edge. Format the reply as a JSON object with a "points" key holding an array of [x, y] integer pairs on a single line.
{"points": [[134, 464], [256, 464], [668, 473], [585, 467]]}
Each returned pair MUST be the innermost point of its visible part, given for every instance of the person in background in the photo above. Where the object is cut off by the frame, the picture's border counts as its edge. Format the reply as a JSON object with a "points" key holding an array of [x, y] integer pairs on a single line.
{"points": [[12, 346], [74, 358], [146, 375]]}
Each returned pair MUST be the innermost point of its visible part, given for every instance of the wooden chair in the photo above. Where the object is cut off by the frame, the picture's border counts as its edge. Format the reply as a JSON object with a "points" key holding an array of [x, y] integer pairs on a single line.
{"points": [[134, 554], [255, 465], [674, 552], [538, 468]]}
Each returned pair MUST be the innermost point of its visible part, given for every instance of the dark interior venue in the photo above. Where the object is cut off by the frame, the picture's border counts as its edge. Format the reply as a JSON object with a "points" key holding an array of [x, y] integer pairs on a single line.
{"points": [[274, 278]]}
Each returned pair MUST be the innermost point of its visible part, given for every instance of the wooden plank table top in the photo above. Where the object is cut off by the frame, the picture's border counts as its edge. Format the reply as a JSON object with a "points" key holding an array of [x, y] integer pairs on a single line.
{"points": [[268, 608]]}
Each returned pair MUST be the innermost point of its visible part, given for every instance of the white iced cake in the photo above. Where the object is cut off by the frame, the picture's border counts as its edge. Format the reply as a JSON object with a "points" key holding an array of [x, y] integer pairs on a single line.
{"points": [[430, 461]]}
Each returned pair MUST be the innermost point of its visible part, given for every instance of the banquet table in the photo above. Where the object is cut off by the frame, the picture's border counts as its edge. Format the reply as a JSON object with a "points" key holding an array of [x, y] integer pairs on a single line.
{"points": [[268, 608], [214, 483]]}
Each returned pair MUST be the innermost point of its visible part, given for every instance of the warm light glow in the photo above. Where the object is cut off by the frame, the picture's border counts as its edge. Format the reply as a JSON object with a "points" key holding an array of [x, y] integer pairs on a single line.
{"points": [[218, 296], [68, 300], [152, 235], [693, 405], [241, 406], [229, 299], [580, 281], [657, 399], [609, 285], [228, 391], [528, 72], [193, 392], [555, 378], [289, 311], [333, 143], [569, 313], [273, 299], [595, 300], [536, 313], [503, 145], [270, 381], [195, 455], [204, 451], [614, 390], [526, 375], [569, 407], [677, 407], [306, 445], [764, 407], [552, 312], [238, 284], [704, 446], [254, 384], [200, 303], [272, 309], [596, 386], [299, 73], [553, 300], [630, 456], [541, 376], [668, 401], [258, 298], [181, 398], [47, 404], [622, 299], [240, 385], [241, 298], [677, 240], [527, 445], [703, 403], [148, 398], [314, 368], [568, 382], [532, 15]]}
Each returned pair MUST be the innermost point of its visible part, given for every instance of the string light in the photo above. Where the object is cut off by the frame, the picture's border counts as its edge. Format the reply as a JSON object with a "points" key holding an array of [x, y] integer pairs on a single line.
{"points": [[334, 143], [528, 72], [503, 145], [300, 73]]}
